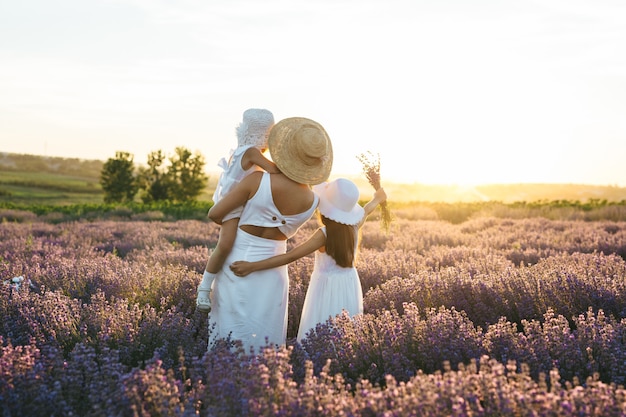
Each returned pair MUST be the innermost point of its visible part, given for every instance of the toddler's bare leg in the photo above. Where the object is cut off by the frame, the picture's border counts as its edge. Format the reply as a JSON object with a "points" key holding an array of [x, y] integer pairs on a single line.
{"points": [[228, 231]]}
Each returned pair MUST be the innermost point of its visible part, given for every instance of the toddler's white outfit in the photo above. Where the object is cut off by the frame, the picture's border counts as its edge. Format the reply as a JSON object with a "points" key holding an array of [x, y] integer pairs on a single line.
{"points": [[232, 174], [251, 132]]}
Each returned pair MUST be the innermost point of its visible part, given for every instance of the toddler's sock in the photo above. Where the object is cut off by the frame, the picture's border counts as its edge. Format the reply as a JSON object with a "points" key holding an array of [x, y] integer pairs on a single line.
{"points": [[203, 301], [207, 281]]}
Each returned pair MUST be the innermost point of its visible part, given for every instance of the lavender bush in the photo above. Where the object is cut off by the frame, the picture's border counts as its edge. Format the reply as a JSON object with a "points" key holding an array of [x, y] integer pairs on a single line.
{"points": [[492, 316]]}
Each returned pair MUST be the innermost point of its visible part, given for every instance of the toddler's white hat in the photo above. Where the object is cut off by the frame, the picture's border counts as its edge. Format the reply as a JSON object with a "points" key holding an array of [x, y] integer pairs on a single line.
{"points": [[255, 127]]}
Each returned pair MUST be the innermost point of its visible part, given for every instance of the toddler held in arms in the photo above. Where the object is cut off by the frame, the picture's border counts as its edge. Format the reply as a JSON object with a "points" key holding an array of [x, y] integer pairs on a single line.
{"points": [[252, 136]]}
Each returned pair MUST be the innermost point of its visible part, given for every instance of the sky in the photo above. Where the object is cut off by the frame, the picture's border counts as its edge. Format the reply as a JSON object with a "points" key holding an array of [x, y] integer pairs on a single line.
{"points": [[446, 92]]}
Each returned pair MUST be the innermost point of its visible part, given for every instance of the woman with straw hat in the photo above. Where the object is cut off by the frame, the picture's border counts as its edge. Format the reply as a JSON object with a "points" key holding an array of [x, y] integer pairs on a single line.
{"points": [[254, 310]]}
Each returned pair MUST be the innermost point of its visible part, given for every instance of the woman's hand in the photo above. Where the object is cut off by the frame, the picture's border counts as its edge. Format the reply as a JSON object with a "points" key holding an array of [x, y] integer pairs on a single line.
{"points": [[241, 268]]}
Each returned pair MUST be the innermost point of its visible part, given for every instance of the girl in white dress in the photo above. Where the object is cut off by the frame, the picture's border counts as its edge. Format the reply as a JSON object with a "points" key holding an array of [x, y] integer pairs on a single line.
{"points": [[252, 136], [254, 310], [335, 284]]}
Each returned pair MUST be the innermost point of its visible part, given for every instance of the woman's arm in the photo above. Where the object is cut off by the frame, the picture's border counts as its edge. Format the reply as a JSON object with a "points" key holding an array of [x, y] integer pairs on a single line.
{"points": [[379, 197], [316, 241], [236, 197]]}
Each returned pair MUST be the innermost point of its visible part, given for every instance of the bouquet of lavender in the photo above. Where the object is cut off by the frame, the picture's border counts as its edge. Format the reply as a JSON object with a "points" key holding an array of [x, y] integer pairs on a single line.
{"points": [[371, 168]]}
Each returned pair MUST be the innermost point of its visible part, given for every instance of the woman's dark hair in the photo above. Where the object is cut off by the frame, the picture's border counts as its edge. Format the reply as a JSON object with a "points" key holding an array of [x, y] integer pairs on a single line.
{"points": [[340, 242]]}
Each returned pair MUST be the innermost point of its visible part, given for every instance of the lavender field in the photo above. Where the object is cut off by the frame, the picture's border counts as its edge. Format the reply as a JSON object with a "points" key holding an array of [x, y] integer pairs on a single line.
{"points": [[489, 317]]}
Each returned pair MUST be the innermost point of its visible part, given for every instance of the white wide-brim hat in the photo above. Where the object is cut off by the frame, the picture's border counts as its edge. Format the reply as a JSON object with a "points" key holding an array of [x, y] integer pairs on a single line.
{"points": [[339, 201], [302, 150]]}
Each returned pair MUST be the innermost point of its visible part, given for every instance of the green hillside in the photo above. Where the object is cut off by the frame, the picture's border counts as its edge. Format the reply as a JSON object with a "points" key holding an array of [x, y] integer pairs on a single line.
{"points": [[29, 179]]}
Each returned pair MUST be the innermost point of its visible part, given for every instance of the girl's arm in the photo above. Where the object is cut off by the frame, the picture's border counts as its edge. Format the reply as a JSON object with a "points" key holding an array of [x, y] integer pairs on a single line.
{"points": [[316, 241], [379, 197], [236, 197], [253, 156]]}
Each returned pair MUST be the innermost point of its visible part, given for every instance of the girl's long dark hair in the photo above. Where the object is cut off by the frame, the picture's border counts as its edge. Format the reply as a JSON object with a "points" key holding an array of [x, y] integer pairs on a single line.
{"points": [[340, 241]]}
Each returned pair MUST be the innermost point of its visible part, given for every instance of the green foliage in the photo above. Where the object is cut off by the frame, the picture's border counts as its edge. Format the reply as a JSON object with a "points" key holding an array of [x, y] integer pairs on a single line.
{"points": [[118, 179], [187, 175], [196, 210], [453, 213], [153, 179], [183, 180]]}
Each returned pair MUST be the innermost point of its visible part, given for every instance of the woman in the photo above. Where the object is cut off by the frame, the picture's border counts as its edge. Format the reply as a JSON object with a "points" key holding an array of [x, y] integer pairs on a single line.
{"points": [[254, 310]]}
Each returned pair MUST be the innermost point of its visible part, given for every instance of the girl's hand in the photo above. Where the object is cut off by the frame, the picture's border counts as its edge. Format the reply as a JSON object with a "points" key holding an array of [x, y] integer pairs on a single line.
{"points": [[380, 195], [241, 268]]}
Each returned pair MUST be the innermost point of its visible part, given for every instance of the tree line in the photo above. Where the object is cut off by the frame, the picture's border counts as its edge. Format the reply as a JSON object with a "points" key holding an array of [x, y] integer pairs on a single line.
{"points": [[178, 178]]}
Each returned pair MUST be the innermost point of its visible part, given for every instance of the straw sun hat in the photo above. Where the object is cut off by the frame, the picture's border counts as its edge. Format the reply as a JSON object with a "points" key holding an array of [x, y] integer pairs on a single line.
{"points": [[339, 201], [302, 150]]}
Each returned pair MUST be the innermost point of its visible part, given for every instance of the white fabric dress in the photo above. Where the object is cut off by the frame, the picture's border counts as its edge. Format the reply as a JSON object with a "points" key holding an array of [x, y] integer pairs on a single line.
{"points": [[232, 174], [254, 307], [332, 289]]}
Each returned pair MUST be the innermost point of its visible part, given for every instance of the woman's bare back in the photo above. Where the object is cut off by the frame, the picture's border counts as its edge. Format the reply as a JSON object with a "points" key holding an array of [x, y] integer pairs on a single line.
{"points": [[289, 197]]}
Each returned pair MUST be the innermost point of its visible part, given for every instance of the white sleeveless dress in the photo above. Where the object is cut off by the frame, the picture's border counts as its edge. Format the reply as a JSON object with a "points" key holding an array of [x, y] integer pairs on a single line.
{"points": [[253, 309], [332, 289]]}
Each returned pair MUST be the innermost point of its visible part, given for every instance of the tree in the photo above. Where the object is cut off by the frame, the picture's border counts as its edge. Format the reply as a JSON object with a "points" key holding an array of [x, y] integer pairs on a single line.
{"points": [[187, 175], [117, 178], [154, 179], [183, 180]]}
